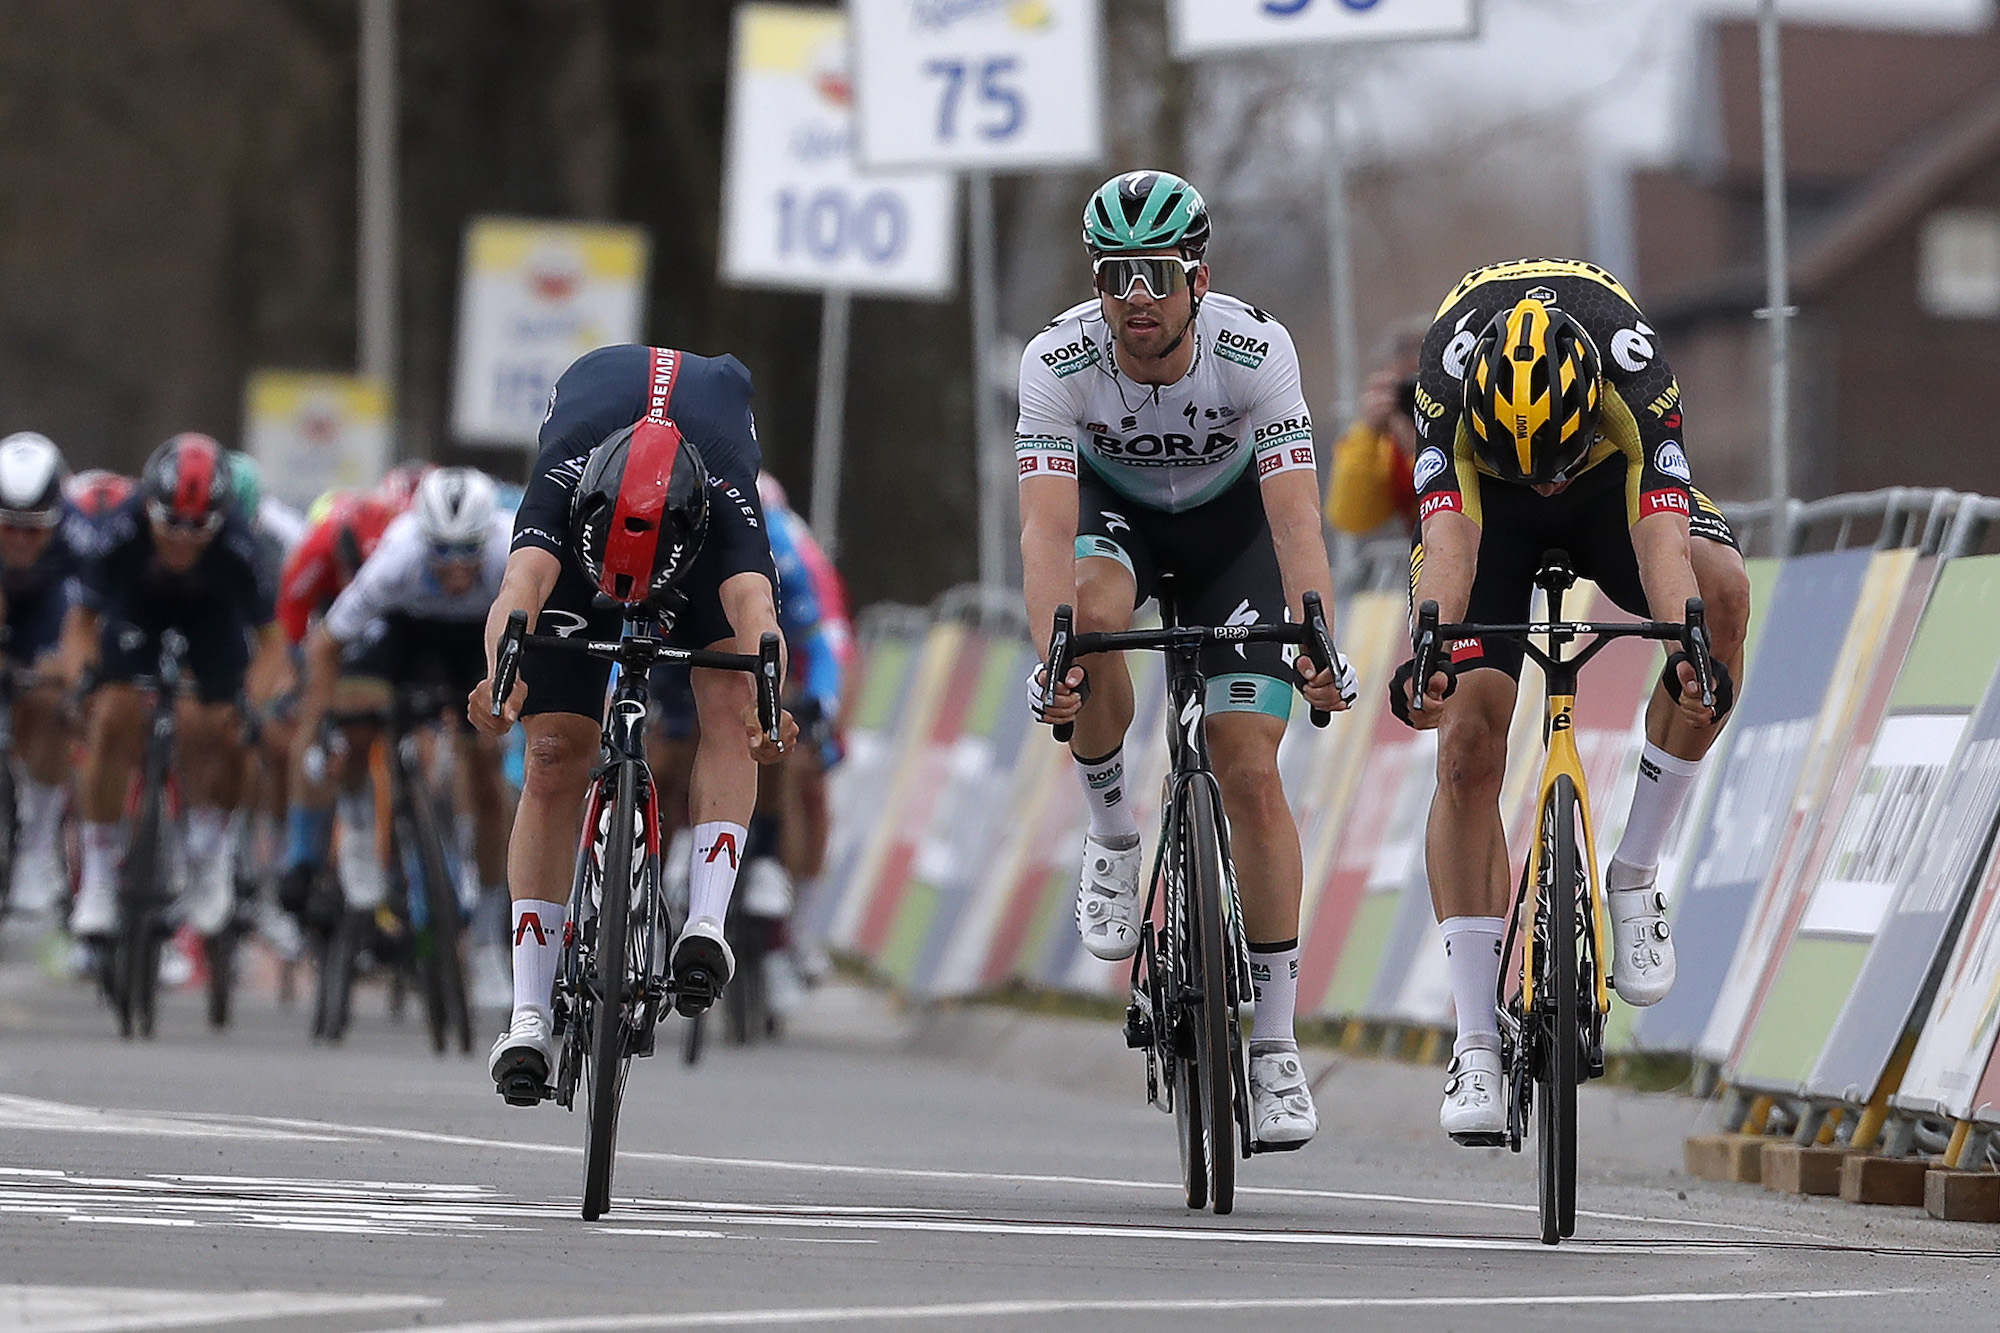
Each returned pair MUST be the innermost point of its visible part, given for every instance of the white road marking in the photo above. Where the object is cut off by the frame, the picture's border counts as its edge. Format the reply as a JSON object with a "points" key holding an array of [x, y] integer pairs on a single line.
{"points": [[22, 1113], [51, 1309], [979, 1177], [1029, 1309]]}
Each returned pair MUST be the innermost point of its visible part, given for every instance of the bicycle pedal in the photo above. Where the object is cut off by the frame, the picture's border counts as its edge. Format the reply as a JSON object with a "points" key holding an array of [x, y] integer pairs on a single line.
{"points": [[695, 992], [1480, 1140], [1138, 1028], [523, 1088], [1259, 1146]]}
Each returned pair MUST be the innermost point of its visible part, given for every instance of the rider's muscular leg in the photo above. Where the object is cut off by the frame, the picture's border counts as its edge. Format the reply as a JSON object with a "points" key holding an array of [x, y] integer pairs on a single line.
{"points": [[112, 743], [1104, 592], [1466, 848], [479, 761], [722, 790], [212, 755], [1264, 844], [561, 750]]}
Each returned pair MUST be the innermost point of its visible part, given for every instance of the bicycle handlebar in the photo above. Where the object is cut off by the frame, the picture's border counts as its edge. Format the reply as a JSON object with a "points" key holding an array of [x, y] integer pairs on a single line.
{"points": [[1066, 645], [638, 652], [1429, 636]]}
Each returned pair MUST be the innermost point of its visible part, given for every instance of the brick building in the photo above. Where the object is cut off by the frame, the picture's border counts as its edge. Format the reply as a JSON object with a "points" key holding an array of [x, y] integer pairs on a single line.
{"points": [[1893, 167]]}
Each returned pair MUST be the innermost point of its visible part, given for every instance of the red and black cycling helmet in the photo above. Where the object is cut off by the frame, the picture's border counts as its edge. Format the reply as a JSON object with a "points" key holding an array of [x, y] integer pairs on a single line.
{"points": [[640, 511], [97, 491], [187, 483]]}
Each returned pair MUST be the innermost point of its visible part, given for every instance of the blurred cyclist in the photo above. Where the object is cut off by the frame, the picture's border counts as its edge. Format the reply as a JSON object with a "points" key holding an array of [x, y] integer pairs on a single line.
{"points": [[176, 555]]}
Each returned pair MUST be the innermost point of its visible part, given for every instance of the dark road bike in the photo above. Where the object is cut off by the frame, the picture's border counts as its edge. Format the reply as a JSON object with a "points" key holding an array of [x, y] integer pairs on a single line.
{"points": [[1191, 974], [612, 981], [1552, 1021]]}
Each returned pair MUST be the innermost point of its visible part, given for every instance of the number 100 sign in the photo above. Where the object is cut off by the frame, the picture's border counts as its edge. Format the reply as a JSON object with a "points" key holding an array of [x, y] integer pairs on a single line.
{"points": [[978, 84]]}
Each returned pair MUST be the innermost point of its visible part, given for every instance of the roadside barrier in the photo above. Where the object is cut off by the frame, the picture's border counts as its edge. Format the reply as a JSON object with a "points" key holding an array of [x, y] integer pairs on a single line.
{"points": [[1834, 883]]}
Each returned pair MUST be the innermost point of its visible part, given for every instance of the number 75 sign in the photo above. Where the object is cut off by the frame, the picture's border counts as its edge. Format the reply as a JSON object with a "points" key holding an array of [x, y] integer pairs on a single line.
{"points": [[977, 84]]}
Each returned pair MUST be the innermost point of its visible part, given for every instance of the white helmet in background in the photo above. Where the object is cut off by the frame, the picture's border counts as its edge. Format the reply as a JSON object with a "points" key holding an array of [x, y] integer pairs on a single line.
{"points": [[31, 481], [455, 508]]}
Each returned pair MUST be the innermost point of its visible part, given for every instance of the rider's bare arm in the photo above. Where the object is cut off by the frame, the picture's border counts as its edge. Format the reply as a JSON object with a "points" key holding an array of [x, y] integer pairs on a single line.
{"points": [[746, 600], [1048, 549], [529, 579], [1291, 504], [1661, 543], [1451, 556]]}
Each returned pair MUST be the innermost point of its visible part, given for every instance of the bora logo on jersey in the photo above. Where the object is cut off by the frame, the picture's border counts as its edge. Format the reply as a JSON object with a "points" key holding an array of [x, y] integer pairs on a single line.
{"points": [[1167, 449], [1243, 350], [1066, 361]]}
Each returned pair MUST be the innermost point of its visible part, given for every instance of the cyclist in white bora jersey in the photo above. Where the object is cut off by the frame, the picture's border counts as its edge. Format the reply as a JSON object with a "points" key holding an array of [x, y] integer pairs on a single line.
{"points": [[1185, 410]]}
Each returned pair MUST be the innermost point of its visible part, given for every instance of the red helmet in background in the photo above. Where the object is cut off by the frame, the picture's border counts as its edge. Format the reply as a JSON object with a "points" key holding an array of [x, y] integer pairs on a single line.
{"points": [[640, 511], [399, 485], [188, 483], [358, 520], [97, 491]]}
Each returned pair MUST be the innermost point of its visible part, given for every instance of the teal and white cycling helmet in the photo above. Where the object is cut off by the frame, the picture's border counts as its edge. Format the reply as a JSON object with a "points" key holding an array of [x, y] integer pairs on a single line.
{"points": [[1146, 210], [246, 483]]}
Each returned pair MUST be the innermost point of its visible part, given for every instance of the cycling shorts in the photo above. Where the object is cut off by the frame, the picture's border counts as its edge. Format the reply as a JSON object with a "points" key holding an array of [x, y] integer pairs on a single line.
{"points": [[1518, 527], [407, 650], [35, 621], [575, 683], [218, 640], [1224, 570]]}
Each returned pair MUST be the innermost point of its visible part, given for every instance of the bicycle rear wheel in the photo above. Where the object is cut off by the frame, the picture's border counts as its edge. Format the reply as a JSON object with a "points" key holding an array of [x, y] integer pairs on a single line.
{"points": [[10, 832], [608, 1046], [1214, 1033], [1556, 975]]}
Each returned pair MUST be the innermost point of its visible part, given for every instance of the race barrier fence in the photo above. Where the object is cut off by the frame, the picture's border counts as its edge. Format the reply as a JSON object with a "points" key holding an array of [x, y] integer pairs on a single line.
{"points": [[1835, 892]]}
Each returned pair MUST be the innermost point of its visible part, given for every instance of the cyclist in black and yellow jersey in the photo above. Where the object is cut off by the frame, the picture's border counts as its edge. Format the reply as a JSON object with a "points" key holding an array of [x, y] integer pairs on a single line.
{"points": [[1548, 419]]}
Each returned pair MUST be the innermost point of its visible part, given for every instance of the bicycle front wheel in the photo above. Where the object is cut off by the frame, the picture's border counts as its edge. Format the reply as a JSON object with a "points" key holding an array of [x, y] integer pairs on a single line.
{"points": [[615, 1002], [444, 962], [1215, 1046], [136, 961], [1556, 982]]}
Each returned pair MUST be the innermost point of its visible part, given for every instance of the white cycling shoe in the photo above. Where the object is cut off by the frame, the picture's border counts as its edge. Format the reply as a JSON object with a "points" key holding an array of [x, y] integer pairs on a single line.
{"points": [[1643, 963], [522, 1058], [1282, 1115], [208, 901], [96, 909], [1474, 1113], [1107, 899], [702, 965]]}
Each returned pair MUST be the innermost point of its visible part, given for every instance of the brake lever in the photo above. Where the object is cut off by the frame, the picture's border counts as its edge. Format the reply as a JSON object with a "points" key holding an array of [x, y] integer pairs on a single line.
{"points": [[1319, 647], [1424, 645], [768, 714], [1058, 660], [1695, 643], [507, 660]]}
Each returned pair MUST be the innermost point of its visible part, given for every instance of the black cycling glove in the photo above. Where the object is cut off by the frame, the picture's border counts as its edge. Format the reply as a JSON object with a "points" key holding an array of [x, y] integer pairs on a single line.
{"points": [[1725, 685], [1399, 686]]}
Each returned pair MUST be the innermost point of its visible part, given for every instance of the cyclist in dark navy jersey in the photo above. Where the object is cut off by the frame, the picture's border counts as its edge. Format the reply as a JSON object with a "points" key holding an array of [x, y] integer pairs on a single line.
{"points": [[642, 502]]}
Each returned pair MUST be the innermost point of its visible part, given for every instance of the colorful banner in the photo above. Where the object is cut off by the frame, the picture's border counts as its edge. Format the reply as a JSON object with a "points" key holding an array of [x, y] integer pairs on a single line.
{"points": [[1957, 1043], [1784, 692], [1865, 835], [1956, 817], [1892, 599]]}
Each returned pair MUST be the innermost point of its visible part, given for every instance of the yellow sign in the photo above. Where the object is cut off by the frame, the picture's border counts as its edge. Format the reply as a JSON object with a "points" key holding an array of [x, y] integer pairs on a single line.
{"points": [[313, 432]]}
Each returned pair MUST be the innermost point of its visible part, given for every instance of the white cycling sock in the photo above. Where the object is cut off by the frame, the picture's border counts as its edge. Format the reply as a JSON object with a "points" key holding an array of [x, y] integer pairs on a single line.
{"points": [[1274, 983], [41, 809], [538, 933], [1657, 798], [103, 846], [1472, 947], [712, 866], [1111, 820]]}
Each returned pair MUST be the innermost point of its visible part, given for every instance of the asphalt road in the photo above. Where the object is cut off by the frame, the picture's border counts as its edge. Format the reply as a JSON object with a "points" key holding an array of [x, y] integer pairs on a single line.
{"points": [[976, 1171]]}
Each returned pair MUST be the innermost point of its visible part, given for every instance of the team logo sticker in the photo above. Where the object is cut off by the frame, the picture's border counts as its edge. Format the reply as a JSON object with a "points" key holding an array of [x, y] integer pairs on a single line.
{"points": [[1672, 461], [1633, 348], [1429, 463]]}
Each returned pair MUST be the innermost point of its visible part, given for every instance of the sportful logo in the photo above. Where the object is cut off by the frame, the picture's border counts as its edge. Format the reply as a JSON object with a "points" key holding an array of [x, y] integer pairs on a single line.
{"points": [[565, 623]]}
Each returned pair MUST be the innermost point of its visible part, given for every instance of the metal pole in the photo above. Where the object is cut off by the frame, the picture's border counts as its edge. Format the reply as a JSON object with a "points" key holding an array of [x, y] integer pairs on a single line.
{"points": [[829, 417], [1778, 308], [1340, 270], [993, 469], [375, 265]]}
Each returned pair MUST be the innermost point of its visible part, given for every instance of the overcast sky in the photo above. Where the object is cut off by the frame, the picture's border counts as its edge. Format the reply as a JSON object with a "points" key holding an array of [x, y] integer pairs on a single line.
{"points": [[1623, 65]]}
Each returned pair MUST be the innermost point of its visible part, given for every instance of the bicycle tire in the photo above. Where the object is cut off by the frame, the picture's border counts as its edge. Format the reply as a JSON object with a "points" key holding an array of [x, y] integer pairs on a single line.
{"points": [[447, 925], [1213, 1045], [608, 1059], [1557, 1003], [336, 989], [219, 952], [139, 926]]}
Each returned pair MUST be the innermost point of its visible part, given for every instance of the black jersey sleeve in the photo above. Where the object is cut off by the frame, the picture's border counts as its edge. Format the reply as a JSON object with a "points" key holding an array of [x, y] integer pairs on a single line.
{"points": [[1641, 414], [1442, 473], [542, 521]]}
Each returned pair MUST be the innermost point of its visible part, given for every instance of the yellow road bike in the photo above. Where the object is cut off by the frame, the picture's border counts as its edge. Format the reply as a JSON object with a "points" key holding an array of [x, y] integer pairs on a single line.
{"points": [[1552, 1024]]}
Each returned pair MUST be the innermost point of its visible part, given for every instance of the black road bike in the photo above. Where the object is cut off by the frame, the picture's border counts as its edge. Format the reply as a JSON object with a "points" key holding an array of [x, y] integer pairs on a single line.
{"points": [[1552, 1020], [130, 966], [1191, 974], [422, 883], [613, 982]]}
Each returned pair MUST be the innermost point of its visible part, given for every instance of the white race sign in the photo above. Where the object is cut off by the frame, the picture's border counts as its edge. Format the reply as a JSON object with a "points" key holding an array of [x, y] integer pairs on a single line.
{"points": [[978, 84], [311, 433], [534, 297], [796, 212], [1204, 26]]}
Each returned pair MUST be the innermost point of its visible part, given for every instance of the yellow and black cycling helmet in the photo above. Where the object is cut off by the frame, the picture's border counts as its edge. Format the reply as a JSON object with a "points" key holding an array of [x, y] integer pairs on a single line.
{"points": [[1532, 389]]}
